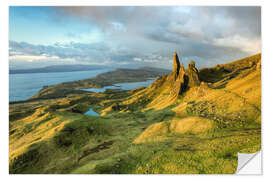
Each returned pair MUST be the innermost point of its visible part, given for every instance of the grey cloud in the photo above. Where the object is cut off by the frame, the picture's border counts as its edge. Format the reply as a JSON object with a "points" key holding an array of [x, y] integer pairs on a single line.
{"points": [[83, 53], [141, 32], [213, 20]]}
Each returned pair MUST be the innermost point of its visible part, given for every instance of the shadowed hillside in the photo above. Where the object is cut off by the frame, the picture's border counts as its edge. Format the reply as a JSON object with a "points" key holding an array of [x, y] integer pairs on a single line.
{"points": [[187, 122]]}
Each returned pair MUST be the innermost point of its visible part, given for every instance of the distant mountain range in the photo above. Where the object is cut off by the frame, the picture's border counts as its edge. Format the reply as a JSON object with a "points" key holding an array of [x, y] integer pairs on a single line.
{"points": [[77, 67], [155, 69], [58, 68]]}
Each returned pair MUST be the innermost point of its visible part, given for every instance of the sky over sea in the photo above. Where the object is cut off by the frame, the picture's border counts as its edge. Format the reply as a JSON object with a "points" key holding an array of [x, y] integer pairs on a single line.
{"points": [[131, 36]]}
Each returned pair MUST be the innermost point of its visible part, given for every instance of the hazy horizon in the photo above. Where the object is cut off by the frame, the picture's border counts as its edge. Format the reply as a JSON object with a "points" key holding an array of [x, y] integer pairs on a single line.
{"points": [[131, 36]]}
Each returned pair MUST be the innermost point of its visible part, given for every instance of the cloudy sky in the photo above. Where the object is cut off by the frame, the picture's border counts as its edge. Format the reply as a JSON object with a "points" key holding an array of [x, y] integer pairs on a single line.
{"points": [[132, 36]]}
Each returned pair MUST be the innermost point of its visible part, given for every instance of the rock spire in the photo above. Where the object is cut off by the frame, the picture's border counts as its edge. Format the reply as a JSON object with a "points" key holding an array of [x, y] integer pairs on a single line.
{"points": [[180, 79], [193, 75], [176, 63]]}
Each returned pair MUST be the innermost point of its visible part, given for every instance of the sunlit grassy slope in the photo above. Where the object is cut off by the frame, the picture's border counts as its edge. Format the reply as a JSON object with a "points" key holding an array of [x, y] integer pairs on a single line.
{"points": [[144, 130]]}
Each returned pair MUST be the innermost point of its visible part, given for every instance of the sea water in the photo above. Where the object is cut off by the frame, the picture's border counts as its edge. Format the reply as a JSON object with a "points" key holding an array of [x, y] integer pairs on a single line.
{"points": [[24, 86]]}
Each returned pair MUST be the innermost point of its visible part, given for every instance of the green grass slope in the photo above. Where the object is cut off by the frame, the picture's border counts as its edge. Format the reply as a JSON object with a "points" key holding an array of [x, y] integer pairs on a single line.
{"points": [[142, 131]]}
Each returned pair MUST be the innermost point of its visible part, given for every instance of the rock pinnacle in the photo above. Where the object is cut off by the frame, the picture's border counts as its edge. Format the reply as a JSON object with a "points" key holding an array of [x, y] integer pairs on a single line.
{"points": [[176, 63]]}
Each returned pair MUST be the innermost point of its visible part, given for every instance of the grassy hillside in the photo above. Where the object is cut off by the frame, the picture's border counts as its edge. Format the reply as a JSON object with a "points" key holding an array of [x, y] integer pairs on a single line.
{"points": [[229, 70], [145, 130]]}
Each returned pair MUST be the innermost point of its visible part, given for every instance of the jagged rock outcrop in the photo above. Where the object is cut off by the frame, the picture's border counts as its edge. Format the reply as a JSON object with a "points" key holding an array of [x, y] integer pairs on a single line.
{"points": [[192, 74], [176, 64], [167, 89], [180, 79], [178, 85]]}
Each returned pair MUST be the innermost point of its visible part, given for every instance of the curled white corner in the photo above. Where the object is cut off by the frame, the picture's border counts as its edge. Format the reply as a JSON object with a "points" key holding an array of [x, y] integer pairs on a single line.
{"points": [[249, 163]]}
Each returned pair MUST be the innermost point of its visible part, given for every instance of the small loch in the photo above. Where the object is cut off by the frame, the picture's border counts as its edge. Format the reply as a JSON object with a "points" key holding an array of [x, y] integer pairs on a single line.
{"points": [[123, 86], [90, 112]]}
